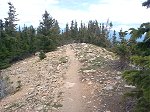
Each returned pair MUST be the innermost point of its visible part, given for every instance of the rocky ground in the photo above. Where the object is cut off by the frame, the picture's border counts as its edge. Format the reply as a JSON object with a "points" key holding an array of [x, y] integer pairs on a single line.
{"points": [[102, 79], [38, 85]]}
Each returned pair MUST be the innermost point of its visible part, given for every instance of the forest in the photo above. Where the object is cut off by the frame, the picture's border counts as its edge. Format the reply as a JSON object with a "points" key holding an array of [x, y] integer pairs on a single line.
{"points": [[18, 43]]}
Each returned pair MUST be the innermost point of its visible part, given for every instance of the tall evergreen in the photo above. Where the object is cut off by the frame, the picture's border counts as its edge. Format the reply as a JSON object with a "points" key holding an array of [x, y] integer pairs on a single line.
{"points": [[67, 31], [48, 31], [146, 3], [140, 76], [114, 39], [10, 25], [123, 50]]}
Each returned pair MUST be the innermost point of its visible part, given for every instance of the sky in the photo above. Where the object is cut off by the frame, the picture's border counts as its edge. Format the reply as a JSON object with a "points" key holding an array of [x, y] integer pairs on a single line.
{"points": [[122, 13]]}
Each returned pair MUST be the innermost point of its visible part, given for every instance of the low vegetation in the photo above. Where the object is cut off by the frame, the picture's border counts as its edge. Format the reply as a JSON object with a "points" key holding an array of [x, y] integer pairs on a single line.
{"points": [[42, 55]]}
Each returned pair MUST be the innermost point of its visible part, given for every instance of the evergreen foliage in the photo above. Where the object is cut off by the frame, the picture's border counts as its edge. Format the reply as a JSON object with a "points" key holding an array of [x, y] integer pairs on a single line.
{"points": [[42, 55], [17, 44], [140, 77], [48, 33], [94, 33], [139, 54], [122, 49], [146, 3]]}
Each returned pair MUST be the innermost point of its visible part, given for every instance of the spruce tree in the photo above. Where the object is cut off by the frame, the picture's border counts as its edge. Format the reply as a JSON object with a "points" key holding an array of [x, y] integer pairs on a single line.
{"points": [[114, 39], [47, 32], [140, 76], [10, 25]]}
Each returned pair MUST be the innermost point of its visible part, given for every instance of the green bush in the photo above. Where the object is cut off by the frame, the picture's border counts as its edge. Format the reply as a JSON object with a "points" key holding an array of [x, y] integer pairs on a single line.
{"points": [[42, 55]]}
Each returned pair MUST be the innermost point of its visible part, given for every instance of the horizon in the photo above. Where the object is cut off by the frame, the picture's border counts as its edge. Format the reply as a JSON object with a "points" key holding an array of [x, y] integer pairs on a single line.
{"points": [[123, 14]]}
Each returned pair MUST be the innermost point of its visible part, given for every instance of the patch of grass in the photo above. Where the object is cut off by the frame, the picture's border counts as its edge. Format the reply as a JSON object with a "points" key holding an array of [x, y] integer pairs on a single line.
{"points": [[98, 62], [60, 93], [7, 78], [57, 105], [42, 55], [14, 105], [63, 59], [18, 86]]}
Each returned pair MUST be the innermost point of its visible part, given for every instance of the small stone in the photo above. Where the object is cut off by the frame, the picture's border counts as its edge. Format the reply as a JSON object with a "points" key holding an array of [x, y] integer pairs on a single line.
{"points": [[84, 44], [89, 83], [92, 78], [89, 102], [118, 77], [101, 82], [83, 96], [107, 111], [94, 106], [69, 85], [87, 79], [129, 86], [39, 108], [109, 87], [83, 80], [118, 73]]}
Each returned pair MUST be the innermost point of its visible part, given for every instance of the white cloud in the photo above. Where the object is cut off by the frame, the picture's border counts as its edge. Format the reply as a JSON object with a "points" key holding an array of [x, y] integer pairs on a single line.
{"points": [[121, 11], [30, 11], [125, 13]]}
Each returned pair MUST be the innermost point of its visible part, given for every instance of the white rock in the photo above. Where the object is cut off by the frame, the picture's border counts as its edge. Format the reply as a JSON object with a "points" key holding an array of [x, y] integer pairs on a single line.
{"points": [[83, 44], [89, 83], [118, 77], [109, 87], [89, 102], [83, 96], [89, 71], [69, 85], [119, 73], [129, 86]]}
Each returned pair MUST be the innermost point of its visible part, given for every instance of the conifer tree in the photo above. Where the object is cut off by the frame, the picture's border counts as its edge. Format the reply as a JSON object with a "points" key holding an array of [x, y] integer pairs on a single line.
{"points": [[146, 3], [140, 76], [47, 31], [114, 39], [10, 25], [67, 31], [123, 50]]}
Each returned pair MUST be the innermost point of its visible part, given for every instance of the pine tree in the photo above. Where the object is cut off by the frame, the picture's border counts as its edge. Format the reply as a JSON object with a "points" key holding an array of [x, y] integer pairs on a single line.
{"points": [[10, 25], [1, 29], [114, 39], [47, 31], [81, 33], [146, 3], [140, 77], [67, 35], [76, 30], [72, 32], [46, 25], [8, 48], [123, 50]]}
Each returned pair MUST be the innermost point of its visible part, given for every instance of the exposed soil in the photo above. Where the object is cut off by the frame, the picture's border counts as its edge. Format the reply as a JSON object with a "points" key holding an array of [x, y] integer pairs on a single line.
{"points": [[75, 78], [72, 87]]}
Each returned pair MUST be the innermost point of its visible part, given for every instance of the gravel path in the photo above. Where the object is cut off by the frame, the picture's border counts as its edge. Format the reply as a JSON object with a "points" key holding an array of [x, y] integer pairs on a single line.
{"points": [[75, 78], [72, 87]]}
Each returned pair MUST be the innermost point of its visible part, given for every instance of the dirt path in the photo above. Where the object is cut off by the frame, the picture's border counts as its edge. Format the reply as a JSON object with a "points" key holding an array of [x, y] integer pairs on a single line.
{"points": [[55, 84], [72, 87]]}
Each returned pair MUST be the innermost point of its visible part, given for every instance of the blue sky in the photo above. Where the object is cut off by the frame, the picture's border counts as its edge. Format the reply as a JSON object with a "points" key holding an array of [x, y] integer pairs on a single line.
{"points": [[123, 13]]}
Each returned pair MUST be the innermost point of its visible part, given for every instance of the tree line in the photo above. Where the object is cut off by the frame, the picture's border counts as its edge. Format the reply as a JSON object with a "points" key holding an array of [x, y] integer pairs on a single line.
{"points": [[137, 54], [19, 42]]}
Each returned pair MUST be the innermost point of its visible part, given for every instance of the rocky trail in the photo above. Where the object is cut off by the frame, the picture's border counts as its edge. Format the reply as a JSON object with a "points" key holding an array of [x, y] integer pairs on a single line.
{"points": [[72, 87], [75, 78]]}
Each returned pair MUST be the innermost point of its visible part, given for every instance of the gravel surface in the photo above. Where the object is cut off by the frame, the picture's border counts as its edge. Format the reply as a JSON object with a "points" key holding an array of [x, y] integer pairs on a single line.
{"points": [[38, 85]]}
